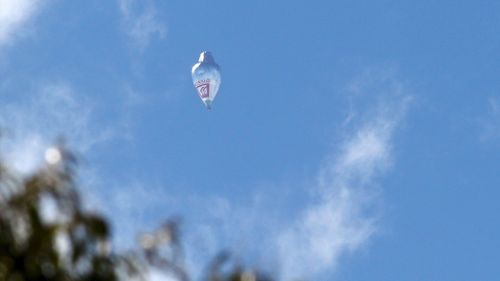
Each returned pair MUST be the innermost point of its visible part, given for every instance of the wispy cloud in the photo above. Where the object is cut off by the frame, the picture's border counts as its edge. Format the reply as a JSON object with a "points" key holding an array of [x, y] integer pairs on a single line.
{"points": [[157, 275], [210, 223], [491, 122], [135, 208], [342, 217], [30, 126], [14, 14], [141, 22]]}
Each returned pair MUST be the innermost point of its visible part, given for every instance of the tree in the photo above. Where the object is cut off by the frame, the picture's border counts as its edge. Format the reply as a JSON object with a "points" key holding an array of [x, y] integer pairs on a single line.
{"points": [[45, 234]]}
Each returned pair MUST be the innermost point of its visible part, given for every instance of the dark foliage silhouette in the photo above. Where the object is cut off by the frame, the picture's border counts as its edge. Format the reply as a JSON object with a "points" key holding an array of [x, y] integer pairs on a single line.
{"points": [[46, 234]]}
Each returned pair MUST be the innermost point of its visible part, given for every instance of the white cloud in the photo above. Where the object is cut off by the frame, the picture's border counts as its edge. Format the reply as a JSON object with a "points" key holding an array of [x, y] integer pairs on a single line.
{"points": [[157, 275], [339, 220], [141, 22], [343, 216], [31, 126], [135, 208], [209, 223], [13, 15], [491, 123]]}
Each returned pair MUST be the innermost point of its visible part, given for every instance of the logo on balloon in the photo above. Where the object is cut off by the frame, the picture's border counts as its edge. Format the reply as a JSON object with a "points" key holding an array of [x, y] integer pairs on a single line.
{"points": [[203, 87]]}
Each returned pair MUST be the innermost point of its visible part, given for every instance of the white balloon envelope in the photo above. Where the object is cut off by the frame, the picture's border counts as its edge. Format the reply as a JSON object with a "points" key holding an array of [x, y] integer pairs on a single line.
{"points": [[206, 78]]}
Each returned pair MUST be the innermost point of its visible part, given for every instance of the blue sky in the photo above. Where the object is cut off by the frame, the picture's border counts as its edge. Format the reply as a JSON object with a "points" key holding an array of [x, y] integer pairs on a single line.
{"points": [[350, 140]]}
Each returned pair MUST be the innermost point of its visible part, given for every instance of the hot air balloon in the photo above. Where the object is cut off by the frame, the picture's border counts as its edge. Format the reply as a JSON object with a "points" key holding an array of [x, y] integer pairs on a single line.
{"points": [[206, 78]]}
